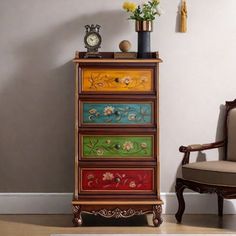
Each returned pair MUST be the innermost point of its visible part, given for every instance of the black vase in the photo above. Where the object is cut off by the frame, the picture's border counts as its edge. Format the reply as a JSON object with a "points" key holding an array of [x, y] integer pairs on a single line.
{"points": [[144, 29]]}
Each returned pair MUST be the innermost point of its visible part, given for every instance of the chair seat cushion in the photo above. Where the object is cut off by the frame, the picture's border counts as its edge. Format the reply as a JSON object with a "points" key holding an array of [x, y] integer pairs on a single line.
{"points": [[211, 172]]}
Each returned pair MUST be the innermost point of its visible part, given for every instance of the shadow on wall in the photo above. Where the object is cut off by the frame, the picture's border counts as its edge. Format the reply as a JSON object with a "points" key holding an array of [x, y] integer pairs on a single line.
{"points": [[220, 130], [201, 156], [37, 109], [178, 18]]}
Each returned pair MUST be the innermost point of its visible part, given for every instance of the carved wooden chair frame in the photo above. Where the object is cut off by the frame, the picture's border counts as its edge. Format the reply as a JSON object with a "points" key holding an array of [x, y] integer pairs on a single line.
{"points": [[221, 191]]}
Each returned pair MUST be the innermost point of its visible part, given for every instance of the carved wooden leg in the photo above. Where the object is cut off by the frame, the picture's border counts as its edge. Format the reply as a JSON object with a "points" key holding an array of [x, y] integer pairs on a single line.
{"points": [[179, 188], [77, 221], [157, 220], [220, 205]]}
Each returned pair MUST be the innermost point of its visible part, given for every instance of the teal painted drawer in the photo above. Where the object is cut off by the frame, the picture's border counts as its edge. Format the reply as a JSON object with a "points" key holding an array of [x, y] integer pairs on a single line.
{"points": [[117, 113]]}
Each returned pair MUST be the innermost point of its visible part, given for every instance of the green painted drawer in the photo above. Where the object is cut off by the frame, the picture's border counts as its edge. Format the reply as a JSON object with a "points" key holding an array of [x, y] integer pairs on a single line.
{"points": [[117, 146]]}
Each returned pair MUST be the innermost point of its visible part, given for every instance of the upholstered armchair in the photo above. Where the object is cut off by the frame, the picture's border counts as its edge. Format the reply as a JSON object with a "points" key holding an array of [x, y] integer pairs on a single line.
{"points": [[211, 176]]}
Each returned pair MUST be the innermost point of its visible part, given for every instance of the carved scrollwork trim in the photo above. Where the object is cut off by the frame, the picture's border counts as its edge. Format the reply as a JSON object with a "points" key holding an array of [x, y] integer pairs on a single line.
{"points": [[76, 209], [118, 213], [224, 191], [157, 219], [228, 192], [157, 209], [77, 220]]}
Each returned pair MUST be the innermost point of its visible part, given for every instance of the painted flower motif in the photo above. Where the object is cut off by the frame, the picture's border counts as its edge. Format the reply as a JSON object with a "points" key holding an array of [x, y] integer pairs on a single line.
{"points": [[132, 116], [127, 80], [128, 145], [143, 79], [100, 151], [109, 110], [143, 145], [132, 184], [101, 84], [108, 176], [91, 117], [90, 176], [92, 111], [108, 141]]}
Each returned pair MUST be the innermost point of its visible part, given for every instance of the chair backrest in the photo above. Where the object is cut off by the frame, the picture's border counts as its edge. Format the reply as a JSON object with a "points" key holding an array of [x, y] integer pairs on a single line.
{"points": [[231, 130]]}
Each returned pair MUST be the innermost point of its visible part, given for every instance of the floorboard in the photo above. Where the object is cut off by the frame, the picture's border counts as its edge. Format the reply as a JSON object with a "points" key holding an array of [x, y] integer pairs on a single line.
{"points": [[44, 225]]}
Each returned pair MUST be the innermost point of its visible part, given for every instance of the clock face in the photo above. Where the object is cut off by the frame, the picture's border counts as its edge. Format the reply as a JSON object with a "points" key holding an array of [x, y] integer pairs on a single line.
{"points": [[93, 40]]}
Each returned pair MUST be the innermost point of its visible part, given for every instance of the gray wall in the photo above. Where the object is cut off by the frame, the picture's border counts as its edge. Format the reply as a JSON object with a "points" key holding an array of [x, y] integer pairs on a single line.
{"points": [[38, 40]]}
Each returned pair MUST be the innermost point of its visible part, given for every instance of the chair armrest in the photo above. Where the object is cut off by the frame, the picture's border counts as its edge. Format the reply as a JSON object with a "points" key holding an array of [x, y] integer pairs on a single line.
{"points": [[198, 147], [201, 147]]}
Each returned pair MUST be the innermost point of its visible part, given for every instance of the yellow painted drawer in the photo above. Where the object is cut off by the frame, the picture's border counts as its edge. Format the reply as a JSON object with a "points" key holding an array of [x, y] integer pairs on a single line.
{"points": [[117, 80]]}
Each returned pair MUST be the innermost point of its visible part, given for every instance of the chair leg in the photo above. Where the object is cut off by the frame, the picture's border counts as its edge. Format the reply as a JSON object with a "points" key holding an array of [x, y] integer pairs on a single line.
{"points": [[220, 205], [179, 189]]}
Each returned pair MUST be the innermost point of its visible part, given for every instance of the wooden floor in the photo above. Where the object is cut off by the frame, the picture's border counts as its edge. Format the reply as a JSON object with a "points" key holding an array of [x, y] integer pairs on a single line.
{"points": [[41, 225]]}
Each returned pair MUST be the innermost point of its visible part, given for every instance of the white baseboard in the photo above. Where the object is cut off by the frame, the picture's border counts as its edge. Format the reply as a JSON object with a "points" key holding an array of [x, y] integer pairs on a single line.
{"points": [[35, 203], [60, 203], [196, 203]]}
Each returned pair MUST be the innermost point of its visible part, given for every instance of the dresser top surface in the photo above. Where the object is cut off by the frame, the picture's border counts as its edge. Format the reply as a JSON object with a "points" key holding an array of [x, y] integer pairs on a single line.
{"points": [[108, 57]]}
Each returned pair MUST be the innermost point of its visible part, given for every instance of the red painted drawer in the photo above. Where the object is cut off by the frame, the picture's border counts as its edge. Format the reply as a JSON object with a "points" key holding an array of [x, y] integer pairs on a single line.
{"points": [[117, 180]]}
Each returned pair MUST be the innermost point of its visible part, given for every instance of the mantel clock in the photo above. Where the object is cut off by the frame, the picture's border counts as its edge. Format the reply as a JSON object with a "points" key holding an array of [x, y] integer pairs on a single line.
{"points": [[92, 41]]}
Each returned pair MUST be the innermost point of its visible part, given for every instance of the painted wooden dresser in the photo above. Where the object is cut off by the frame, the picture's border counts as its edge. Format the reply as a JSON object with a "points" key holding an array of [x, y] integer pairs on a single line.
{"points": [[117, 168]]}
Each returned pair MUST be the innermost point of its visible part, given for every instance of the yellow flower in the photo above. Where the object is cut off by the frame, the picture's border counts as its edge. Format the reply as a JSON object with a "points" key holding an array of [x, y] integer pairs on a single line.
{"points": [[129, 6], [125, 5], [132, 7]]}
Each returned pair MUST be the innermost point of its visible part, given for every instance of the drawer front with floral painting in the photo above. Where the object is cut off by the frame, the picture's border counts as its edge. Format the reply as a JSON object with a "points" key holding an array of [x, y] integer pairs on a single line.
{"points": [[117, 147], [117, 113], [117, 180], [117, 80], [116, 137]]}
